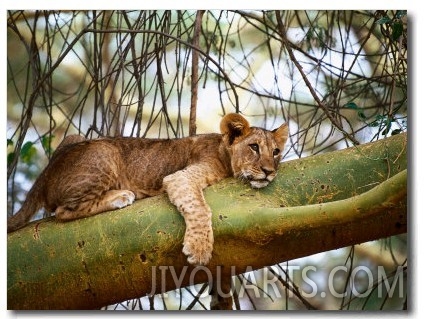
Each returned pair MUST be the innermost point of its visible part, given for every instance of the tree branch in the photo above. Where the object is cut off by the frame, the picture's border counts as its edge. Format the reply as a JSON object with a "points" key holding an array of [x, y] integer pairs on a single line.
{"points": [[315, 204], [194, 74], [325, 108]]}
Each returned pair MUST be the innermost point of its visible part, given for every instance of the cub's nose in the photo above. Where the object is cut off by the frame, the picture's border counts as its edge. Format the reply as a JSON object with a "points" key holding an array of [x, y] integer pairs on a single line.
{"points": [[267, 171]]}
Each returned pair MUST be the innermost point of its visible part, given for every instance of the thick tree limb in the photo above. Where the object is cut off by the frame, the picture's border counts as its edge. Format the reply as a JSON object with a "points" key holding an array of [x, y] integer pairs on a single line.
{"points": [[315, 204]]}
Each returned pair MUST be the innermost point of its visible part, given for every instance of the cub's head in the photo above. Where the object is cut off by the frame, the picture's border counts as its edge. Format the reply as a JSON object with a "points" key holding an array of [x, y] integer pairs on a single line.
{"points": [[255, 152]]}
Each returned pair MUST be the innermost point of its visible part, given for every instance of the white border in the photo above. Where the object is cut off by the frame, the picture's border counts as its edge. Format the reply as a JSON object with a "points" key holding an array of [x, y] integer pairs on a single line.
{"points": [[418, 123]]}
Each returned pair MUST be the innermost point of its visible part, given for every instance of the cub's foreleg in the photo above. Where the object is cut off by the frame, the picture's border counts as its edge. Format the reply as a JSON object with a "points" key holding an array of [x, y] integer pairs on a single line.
{"points": [[185, 191]]}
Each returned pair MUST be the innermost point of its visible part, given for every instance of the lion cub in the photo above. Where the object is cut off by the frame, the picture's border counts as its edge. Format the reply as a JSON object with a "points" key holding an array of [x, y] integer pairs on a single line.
{"points": [[88, 177]]}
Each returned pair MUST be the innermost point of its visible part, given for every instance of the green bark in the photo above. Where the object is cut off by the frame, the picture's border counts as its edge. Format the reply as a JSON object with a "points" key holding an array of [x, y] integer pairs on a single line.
{"points": [[315, 204]]}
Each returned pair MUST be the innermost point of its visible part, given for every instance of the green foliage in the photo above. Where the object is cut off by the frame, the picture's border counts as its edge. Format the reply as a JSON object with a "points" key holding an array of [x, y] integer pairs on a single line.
{"points": [[46, 143], [360, 113], [395, 23], [28, 153], [319, 37], [384, 122]]}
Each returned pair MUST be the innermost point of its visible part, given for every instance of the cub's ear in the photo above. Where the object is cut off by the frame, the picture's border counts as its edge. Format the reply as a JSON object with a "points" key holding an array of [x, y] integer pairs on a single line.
{"points": [[234, 125], [281, 134]]}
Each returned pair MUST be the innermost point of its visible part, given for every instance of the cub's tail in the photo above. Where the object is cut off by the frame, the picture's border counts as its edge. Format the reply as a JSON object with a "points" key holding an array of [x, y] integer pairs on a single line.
{"points": [[30, 207], [35, 197]]}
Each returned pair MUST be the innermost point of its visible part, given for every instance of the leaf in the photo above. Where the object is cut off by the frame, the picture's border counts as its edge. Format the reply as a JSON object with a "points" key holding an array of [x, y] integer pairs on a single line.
{"points": [[400, 14], [374, 124], [10, 157], [388, 127], [28, 151], [9, 142], [383, 20], [361, 115], [46, 143], [351, 105], [398, 28], [396, 131]]}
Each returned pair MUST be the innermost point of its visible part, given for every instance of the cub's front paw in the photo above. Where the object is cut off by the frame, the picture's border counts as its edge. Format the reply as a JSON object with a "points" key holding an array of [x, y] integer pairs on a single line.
{"points": [[198, 247]]}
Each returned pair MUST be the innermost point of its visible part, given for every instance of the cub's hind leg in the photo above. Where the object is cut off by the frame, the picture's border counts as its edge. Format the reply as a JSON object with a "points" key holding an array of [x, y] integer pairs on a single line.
{"points": [[111, 200]]}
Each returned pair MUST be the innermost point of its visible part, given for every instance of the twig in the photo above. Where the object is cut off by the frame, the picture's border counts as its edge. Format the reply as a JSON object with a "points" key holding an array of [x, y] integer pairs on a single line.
{"points": [[197, 297], [225, 75], [290, 285], [319, 102], [161, 88], [194, 75]]}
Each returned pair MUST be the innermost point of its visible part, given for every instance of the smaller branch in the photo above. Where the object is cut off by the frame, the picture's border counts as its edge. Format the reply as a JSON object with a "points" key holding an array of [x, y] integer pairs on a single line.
{"points": [[291, 286], [225, 75], [161, 82], [194, 75], [334, 121], [197, 297], [37, 88]]}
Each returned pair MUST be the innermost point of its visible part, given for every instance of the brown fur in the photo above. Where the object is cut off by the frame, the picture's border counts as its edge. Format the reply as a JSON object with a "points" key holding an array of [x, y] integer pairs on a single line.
{"points": [[87, 177]]}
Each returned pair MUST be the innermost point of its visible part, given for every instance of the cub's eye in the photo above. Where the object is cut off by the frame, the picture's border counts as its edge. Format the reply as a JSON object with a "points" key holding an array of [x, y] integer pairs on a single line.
{"points": [[276, 152], [254, 147]]}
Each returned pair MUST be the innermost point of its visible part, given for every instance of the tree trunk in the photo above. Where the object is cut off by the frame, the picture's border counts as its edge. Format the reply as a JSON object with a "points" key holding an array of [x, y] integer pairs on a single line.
{"points": [[315, 204]]}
